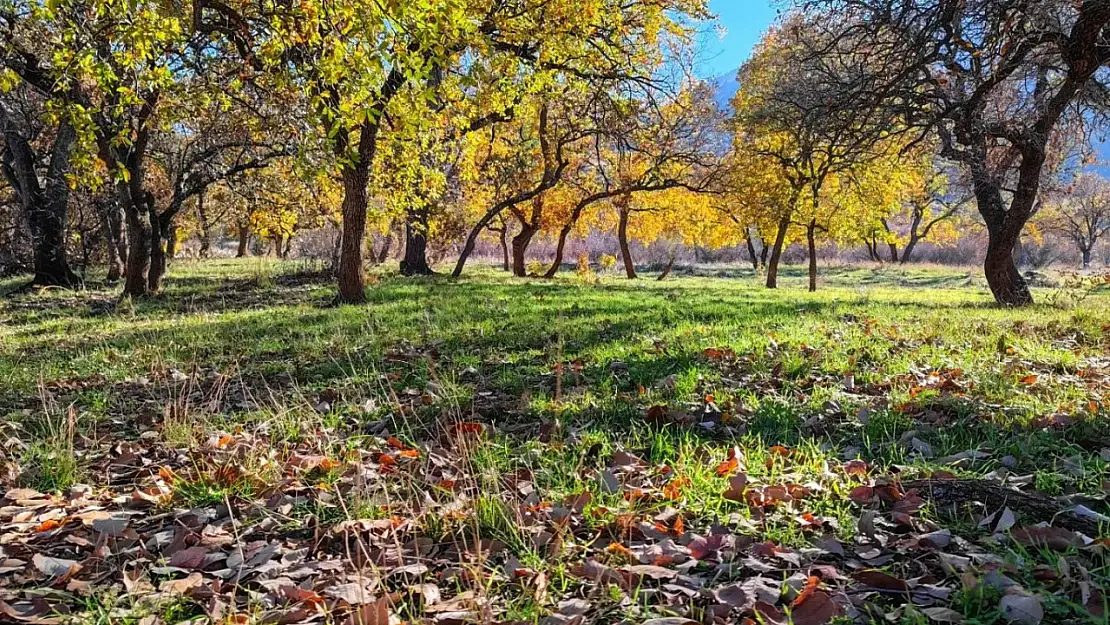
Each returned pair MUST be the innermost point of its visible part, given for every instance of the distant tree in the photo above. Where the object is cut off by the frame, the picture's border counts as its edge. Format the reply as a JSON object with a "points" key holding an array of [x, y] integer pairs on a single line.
{"points": [[1083, 215], [789, 112], [995, 80]]}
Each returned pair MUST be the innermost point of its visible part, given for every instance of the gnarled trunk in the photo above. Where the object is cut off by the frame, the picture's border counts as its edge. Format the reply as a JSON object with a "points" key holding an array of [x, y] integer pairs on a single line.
{"points": [[560, 249], [1086, 251], [751, 251], [907, 252], [45, 204]]}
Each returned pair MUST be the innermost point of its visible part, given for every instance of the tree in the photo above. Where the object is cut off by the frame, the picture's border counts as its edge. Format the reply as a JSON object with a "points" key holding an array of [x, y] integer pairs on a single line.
{"points": [[1083, 215], [789, 112], [659, 143], [929, 210], [994, 79]]}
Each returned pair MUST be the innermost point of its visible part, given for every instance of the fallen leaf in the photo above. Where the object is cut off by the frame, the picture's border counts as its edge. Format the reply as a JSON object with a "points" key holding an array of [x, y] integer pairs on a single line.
{"points": [[55, 567], [818, 609], [1021, 609]]}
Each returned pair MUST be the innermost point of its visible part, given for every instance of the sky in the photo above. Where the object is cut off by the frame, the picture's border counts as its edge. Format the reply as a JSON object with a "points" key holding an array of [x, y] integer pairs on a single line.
{"points": [[744, 21]]}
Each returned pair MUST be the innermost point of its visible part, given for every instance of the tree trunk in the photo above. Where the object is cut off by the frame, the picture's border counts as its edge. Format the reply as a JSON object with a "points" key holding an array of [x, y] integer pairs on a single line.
{"points": [[158, 249], [503, 239], [1086, 257], [560, 250], [893, 252], [111, 224], [1005, 281], [624, 213], [46, 204], [1004, 229], [776, 254], [811, 242], [287, 250], [907, 252], [244, 248], [387, 244], [205, 228], [751, 251], [139, 242], [352, 286], [520, 247], [763, 252], [171, 242], [415, 262], [667, 269]]}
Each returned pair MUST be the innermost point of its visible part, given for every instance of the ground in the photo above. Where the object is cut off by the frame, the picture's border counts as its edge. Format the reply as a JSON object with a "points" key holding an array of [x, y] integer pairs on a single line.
{"points": [[893, 448]]}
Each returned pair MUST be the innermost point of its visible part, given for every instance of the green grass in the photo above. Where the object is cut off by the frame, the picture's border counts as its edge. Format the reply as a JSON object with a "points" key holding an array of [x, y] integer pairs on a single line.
{"points": [[566, 372]]}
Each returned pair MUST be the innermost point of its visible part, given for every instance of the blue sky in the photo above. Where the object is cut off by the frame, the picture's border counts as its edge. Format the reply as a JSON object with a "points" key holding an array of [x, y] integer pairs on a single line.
{"points": [[744, 21]]}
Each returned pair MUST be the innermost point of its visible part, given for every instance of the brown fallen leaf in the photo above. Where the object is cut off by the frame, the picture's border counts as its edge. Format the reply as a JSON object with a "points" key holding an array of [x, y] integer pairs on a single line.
{"points": [[373, 613], [1054, 538], [182, 586], [818, 609], [55, 567], [879, 579]]}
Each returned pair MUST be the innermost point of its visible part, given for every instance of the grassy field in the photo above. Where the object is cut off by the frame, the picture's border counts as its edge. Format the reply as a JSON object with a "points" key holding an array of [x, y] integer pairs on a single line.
{"points": [[892, 448]]}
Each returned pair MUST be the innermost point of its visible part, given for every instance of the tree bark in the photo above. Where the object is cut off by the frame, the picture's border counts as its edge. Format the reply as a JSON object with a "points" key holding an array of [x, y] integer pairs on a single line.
{"points": [[205, 228], [776, 253], [244, 248], [139, 242], [352, 286], [45, 204], [811, 243], [1004, 228], [1086, 257], [520, 248], [893, 252], [907, 252], [171, 242], [503, 239], [624, 212], [387, 245], [159, 243], [415, 262], [111, 224], [751, 251]]}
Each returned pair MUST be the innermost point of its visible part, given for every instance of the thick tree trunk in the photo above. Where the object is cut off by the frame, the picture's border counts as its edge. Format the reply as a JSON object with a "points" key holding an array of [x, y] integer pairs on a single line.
{"points": [[520, 249], [1086, 257], [352, 286], [1004, 229], [907, 252], [776, 253], [893, 252], [415, 262], [624, 212], [244, 248], [139, 243], [45, 204], [811, 243]]}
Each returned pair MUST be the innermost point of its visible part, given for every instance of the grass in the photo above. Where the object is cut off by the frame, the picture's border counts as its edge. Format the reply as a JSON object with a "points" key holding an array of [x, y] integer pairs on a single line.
{"points": [[879, 364]]}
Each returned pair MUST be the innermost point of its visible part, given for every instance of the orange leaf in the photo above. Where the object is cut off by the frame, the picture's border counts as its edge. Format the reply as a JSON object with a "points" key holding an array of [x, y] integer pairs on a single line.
{"points": [[409, 453], [48, 525], [1029, 379], [394, 442], [810, 588]]}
